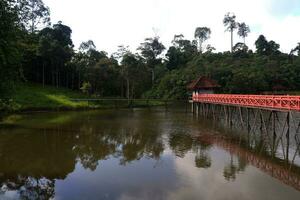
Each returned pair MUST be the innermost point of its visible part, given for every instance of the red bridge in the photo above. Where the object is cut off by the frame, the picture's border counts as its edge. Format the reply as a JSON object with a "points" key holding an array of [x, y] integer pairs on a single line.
{"points": [[278, 102]]}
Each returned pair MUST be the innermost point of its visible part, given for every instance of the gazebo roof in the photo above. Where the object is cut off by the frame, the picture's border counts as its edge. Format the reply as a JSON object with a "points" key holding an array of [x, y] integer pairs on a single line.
{"points": [[203, 82]]}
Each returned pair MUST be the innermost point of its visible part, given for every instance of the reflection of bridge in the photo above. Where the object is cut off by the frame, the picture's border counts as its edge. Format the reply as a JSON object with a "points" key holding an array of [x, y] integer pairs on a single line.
{"points": [[286, 173]]}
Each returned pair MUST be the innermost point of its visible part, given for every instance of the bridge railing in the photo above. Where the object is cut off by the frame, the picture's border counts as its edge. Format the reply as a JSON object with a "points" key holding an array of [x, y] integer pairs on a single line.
{"points": [[284, 102]]}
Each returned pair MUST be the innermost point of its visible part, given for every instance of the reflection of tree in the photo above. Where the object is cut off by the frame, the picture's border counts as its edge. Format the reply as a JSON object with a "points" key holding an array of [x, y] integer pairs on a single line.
{"points": [[37, 189], [46, 151], [202, 159], [92, 148], [180, 143], [136, 145], [29, 187], [232, 169]]}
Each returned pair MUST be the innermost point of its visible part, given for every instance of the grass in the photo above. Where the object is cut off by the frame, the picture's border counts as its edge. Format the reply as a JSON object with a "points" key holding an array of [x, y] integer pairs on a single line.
{"points": [[34, 97]]}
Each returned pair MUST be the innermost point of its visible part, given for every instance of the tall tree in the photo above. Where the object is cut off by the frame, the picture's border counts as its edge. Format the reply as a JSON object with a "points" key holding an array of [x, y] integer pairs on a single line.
{"points": [[59, 51], [33, 13], [265, 47], [243, 30], [230, 24], [9, 48], [180, 53], [202, 34], [151, 49], [130, 64]]}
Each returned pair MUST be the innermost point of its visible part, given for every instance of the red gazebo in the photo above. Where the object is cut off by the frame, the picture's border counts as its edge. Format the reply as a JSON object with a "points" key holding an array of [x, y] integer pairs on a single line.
{"points": [[203, 85]]}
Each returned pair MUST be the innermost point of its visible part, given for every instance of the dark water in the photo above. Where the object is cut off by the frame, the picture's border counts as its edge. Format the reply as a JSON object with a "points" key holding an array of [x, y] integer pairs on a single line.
{"points": [[138, 154]]}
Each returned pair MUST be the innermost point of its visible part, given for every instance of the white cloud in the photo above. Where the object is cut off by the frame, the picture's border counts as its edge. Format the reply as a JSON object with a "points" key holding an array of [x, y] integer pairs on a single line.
{"points": [[113, 22]]}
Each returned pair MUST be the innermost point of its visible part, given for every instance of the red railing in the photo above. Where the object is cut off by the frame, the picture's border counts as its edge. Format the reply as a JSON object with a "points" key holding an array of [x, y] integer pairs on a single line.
{"points": [[263, 101]]}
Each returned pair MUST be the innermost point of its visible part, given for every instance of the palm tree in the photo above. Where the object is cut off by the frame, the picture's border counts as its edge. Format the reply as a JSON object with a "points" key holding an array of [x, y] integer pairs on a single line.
{"points": [[202, 34], [243, 30], [230, 24]]}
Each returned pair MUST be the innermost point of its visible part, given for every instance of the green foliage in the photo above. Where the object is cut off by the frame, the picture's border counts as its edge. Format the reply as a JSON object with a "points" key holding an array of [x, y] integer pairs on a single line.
{"points": [[9, 47], [86, 88], [265, 47], [151, 49]]}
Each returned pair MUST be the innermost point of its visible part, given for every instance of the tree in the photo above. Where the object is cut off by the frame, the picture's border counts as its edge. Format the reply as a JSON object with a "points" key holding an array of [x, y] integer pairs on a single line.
{"points": [[150, 50], [33, 13], [240, 50], [176, 40], [56, 47], [261, 45], [202, 34], [87, 46], [9, 48], [296, 49], [265, 47], [243, 30], [210, 49], [44, 52], [129, 63], [180, 53], [230, 24]]}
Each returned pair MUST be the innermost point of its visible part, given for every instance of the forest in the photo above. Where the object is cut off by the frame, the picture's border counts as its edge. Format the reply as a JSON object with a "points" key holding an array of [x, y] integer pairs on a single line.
{"points": [[32, 50]]}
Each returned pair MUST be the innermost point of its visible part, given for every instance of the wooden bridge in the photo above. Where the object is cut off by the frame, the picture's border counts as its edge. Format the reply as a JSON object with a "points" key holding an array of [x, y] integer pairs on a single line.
{"points": [[277, 102], [248, 110]]}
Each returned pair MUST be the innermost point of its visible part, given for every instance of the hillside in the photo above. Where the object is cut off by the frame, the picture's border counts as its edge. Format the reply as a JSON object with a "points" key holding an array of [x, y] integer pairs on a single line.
{"points": [[36, 97]]}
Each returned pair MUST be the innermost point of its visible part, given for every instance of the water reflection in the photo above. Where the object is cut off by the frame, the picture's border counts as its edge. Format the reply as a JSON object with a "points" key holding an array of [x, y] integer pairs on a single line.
{"points": [[127, 154]]}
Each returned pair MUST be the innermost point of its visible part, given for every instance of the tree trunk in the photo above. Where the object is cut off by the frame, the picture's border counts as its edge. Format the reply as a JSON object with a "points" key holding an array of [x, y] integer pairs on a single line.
{"points": [[79, 80], [200, 46], [67, 81], [43, 74], [52, 73], [132, 91], [72, 81], [122, 88], [128, 89], [153, 76], [56, 78], [231, 40]]}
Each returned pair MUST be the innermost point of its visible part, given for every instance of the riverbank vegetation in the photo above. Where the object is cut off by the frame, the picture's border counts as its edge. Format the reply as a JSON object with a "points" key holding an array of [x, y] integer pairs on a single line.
{"points": [[34, 97], [34, 51]]}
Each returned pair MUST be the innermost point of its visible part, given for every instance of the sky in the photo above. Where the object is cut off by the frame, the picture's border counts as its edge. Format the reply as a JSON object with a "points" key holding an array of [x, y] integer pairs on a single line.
{"points": [[110, 23]]}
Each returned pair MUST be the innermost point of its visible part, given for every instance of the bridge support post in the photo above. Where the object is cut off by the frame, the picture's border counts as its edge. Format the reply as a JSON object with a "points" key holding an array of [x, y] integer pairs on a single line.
{"points": [[273, 114], [248, 121], [288, 119], [192, 107]]}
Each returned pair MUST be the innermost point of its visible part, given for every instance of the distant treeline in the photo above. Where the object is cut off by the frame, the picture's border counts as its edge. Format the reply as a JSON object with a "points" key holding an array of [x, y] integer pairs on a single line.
{"points": [[33, 50]]}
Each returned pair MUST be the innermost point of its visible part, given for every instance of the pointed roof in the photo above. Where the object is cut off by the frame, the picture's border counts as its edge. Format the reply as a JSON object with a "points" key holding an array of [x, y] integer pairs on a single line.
{"points": [[203, 82]]}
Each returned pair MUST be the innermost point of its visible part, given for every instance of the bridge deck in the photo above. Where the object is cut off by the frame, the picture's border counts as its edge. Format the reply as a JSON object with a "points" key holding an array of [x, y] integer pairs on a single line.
{"points": [[279, 102]]}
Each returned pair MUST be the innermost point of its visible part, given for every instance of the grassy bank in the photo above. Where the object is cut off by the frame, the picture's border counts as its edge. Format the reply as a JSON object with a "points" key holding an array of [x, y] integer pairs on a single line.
{"points": [[34, 97]]}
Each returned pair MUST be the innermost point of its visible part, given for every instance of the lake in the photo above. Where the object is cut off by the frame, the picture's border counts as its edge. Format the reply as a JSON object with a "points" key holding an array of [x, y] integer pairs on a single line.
{"points": [[140, 153]]}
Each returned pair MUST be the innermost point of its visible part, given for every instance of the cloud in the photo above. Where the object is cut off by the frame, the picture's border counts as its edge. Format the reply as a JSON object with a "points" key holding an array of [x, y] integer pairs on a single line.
{"points": [[114, 22]]}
